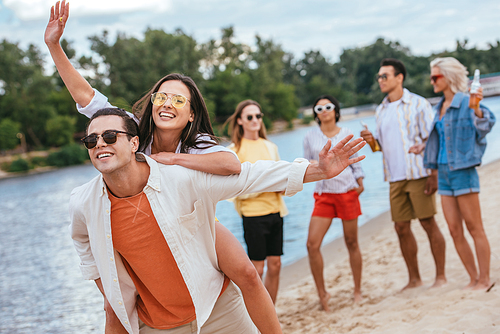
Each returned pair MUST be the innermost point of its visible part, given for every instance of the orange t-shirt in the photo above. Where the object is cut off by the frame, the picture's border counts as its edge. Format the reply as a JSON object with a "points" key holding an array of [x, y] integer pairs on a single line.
{"points": [[164, 301]]}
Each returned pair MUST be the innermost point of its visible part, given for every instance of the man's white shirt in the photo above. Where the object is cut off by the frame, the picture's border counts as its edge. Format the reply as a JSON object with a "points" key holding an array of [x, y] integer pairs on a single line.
{"points": [[183, 202]]}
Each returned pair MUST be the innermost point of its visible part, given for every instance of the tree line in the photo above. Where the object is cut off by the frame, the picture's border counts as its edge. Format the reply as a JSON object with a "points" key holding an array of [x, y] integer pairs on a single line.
{"points": [[39, 107]]}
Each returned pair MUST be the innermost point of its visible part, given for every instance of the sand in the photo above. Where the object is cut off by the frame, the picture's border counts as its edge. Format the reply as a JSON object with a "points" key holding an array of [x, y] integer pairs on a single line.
{"points": [[385, 309]]}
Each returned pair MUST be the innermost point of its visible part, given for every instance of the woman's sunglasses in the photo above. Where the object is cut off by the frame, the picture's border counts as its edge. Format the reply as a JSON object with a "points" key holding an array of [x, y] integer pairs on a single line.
{"points": [[319, 109], [177, 100], [258, 116], [435, 77], [109, 137]]}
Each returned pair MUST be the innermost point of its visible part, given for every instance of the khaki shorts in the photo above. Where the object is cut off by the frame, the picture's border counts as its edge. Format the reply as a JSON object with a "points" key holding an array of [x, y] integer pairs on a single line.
{"points": [[229, 316], [408, 200]]}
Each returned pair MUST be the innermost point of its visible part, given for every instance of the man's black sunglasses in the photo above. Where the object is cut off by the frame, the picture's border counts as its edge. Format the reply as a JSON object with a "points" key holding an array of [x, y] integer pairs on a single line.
{"points": [[109, 137]]}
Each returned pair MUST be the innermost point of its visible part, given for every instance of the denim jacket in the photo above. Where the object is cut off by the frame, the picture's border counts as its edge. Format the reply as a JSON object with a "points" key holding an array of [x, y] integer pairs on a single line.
{"points": [[465, 134]]}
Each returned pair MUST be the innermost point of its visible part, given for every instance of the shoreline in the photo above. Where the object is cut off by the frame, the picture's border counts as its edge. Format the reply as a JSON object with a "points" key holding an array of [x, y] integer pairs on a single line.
{"points": [[385, 308], [333, 252], [278, 127], [38, 170], [335, 249]]}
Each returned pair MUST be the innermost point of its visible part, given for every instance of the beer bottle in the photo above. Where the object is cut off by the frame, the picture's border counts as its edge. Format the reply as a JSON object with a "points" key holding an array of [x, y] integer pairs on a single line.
{"points": [[373, 142], [474, 87]]}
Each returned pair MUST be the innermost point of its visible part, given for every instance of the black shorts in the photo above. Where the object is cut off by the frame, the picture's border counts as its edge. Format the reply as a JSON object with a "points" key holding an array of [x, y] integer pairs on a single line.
{"points": [[263, 236]]}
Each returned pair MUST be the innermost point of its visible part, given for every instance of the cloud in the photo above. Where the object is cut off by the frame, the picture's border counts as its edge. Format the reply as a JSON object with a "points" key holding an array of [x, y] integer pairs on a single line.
{"points": [[27, 10], [299, 26]]}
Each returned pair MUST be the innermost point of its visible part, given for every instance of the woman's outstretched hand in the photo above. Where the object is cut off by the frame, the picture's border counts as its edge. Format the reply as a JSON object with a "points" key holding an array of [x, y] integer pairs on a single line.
{"points": [[59, 14], [333, 161]]}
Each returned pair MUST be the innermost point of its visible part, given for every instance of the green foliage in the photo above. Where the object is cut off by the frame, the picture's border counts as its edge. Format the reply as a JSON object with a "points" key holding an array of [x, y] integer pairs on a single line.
{"points": [[237, 73], [121, 103], [8, 134], [282, 102], [267, 123], [60, 130], [225, 90], [26, 91], [72, 154], [226, 71], [133, 66], [19, 165], [307, 119], [5, 166], [39, 161], [64, 105], [316, 77], [472, 58]]}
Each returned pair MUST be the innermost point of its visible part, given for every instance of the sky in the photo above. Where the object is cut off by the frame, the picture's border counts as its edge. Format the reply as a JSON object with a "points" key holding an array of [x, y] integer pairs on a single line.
{"points": [[425, 26]]}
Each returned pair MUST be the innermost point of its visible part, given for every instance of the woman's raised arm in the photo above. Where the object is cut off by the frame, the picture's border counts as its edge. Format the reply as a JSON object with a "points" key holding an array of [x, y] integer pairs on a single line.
{"points": [[79, 88]]}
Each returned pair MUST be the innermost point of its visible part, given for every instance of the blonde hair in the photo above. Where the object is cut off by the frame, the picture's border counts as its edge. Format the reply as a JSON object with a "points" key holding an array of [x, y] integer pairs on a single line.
{"points": [[454, 72], [235, 130]]}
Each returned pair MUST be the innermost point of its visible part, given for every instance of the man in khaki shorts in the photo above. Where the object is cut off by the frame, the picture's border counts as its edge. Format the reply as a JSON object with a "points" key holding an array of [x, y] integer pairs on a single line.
{"points": [[404, 120]]}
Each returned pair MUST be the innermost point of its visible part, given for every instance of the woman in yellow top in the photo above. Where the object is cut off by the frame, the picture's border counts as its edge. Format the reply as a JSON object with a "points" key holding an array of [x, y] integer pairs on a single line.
{"points": [[262, 213]]}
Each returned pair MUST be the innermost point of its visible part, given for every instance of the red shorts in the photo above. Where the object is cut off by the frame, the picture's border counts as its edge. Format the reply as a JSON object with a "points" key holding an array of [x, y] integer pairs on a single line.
{"points": [[344, 206]]}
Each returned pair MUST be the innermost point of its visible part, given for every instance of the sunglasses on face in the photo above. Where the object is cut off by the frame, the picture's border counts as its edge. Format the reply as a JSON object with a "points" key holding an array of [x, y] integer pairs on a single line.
{"points": [[109, 137], [434, 78], [382, 77], [258, 116], [177, 100], [319, 109]]}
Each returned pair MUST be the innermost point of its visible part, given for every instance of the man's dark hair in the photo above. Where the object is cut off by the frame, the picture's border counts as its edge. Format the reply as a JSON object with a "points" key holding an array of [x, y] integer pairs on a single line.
{"points": [[398, 65], [129, 124], [332, 100]]}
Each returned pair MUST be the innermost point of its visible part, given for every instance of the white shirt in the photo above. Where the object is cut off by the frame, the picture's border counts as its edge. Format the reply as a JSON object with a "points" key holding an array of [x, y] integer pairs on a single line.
{"points": [[394, 152], [99, 101], [183, 202], [408, 123], [314, 141]]}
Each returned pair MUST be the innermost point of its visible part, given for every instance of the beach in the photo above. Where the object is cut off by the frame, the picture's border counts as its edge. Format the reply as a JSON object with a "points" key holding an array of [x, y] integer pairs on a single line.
{"points": [[385, 308]]}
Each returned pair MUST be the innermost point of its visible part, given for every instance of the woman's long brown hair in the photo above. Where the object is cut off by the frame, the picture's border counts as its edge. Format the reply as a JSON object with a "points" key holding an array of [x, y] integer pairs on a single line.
{"points": [[235, 130], [200, 125]]}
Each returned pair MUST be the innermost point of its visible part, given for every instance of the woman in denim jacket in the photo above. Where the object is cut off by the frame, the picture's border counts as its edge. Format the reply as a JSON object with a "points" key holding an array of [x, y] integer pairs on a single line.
{"points": [[455, 147]]}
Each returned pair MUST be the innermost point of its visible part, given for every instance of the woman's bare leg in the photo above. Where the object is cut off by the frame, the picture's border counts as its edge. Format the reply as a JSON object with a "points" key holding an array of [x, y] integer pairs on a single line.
{"points": [[272, 279], [351, 241], [471, 211], [454, 220], [317, 230], [234, 262]]}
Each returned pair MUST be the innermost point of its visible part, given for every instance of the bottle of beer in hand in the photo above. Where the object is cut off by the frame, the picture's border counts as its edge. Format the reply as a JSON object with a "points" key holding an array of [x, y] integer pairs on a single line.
{"points": [[475, 85], [372, 142]]}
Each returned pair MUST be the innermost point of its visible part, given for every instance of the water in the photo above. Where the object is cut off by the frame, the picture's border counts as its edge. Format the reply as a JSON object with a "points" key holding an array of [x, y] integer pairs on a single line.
{"points": [[41, 288], [373, 199]]}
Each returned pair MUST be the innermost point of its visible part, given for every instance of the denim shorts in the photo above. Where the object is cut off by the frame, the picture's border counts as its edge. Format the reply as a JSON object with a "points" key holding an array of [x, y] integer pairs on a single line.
{"points": [[457, 182]]}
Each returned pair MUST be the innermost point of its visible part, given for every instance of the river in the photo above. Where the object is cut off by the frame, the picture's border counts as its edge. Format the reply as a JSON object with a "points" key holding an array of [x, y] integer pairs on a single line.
{"points": [[41, 288]]}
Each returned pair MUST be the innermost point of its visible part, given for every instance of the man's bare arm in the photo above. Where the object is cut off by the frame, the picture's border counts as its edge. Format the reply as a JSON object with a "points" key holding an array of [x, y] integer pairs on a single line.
{"points": [[113, 324]]}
